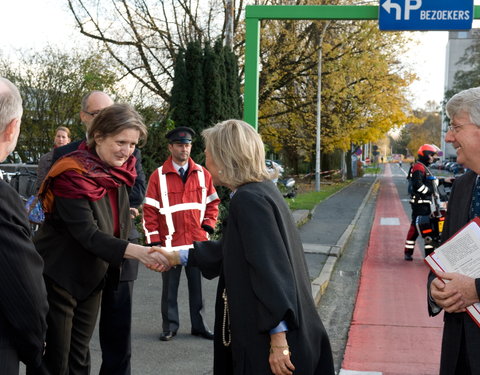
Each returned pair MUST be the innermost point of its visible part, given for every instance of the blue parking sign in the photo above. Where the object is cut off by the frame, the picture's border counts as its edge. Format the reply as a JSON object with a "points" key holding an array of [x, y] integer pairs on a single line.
{"points": [[425, 14]]}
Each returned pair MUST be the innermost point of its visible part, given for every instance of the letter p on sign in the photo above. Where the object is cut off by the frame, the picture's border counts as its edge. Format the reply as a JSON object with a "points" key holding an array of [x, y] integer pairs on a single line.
{"points": [[411, 5]]}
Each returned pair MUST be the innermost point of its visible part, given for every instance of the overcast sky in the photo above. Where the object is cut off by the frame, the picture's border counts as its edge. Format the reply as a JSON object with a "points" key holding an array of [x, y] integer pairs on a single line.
{"points": [[33, 23]]}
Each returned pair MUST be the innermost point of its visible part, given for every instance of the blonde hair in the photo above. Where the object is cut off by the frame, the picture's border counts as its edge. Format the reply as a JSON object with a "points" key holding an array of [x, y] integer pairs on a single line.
{"points": [[238, 151], [65, 129]]}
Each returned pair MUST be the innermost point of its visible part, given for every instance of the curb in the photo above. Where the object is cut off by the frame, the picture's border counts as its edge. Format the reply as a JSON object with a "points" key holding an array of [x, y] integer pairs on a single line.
{"points": [[319, 285], [301, 217]]}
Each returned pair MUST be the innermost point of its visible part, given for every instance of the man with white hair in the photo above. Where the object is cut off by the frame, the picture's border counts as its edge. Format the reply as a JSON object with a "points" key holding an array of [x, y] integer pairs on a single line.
{"points": [[461, 336], [23, 298]]}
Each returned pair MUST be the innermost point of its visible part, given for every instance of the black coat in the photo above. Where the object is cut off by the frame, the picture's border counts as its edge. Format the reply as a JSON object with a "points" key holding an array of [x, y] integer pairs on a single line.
{"points": [[23, 298], [422, 190], [136, 195], [261, 264], [77, 245], [459, 327]]}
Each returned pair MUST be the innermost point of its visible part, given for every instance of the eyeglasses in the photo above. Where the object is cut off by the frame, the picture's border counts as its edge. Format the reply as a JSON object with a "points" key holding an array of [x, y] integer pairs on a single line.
{"points": [[93, 114], [455, 128]]}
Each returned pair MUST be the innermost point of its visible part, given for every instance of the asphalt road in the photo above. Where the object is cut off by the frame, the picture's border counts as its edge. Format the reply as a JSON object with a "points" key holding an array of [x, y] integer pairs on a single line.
{"points": [[185, 354]]}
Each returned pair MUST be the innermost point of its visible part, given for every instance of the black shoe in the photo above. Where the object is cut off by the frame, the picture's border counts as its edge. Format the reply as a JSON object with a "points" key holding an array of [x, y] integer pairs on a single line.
{"points": [[408, 257], [167, 335], [205, 334]]}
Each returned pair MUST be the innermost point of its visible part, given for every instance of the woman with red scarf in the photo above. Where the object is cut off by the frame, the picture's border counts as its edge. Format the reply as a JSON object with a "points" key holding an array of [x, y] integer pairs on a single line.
{"points": [[85, 200]]}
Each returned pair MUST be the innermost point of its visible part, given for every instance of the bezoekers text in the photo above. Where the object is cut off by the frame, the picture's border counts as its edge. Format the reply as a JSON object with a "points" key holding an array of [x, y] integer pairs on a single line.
{"points": [[444, 15]]}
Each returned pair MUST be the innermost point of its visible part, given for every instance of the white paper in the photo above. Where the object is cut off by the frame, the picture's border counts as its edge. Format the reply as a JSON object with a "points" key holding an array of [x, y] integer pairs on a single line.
{"points": [[460, 254]]}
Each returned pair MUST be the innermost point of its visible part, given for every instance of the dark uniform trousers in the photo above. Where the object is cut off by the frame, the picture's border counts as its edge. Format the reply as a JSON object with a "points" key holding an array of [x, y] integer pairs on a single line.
{"points": [[171, 280], [115, 325], [65, 311], [115, 328]]}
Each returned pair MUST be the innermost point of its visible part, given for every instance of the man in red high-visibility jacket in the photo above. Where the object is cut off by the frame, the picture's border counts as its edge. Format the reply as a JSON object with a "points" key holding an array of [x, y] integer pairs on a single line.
{"points": [[181, 206]]}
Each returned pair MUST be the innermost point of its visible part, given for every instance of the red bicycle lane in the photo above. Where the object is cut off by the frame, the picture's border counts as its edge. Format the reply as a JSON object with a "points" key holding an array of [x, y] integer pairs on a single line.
{"points": [[391, 332]]}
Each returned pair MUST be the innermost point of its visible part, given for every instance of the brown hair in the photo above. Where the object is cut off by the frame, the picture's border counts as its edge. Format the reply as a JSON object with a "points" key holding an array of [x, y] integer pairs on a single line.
{"points": [[115, 119]]}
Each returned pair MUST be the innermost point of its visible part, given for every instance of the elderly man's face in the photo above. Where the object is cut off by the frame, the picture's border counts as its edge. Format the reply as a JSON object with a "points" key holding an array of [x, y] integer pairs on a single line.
{"points": [[96, 102], [465, 138]]}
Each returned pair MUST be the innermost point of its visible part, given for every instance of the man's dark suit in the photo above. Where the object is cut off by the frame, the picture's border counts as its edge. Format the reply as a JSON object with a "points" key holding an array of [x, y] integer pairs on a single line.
{"points": [[116, 306], [461, 336], [23, 298]]}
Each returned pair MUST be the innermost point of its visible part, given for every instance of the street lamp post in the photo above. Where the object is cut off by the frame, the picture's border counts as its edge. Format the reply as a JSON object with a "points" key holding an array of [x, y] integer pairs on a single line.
{"points": [[319, 108], [319, 112]]}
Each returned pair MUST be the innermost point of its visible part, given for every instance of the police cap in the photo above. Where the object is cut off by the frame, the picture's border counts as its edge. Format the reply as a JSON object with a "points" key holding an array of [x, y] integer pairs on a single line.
{"points": [[182, 134]]}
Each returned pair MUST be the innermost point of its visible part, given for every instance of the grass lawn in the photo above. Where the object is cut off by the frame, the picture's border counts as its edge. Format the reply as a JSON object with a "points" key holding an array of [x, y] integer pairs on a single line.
{"points": [[308, 200], [372, 170]]}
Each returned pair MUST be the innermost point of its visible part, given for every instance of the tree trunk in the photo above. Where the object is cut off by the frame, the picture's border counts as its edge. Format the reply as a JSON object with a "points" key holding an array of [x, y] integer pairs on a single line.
{"points": [[229, 24], [348, 162]]}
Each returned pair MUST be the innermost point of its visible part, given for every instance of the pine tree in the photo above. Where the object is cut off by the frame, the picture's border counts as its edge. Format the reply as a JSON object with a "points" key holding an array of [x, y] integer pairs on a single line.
{"points": [[234, 98], [179, 102], [206, 90], [196, 95], [226, 105], [213, 81]]}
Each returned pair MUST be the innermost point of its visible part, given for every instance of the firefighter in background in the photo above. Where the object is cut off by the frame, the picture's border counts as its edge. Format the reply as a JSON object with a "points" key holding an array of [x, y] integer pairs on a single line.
{"points": [[424, 195], [181, 206]]}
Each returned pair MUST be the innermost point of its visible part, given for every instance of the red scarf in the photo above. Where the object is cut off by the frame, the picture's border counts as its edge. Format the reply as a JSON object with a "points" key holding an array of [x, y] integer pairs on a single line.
{"points": [[83, 175]]}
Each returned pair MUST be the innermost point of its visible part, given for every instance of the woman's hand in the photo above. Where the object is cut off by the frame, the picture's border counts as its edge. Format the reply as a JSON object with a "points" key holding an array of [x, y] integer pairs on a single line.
{"points": [[279, 358], [151, 259], [173, 257]]}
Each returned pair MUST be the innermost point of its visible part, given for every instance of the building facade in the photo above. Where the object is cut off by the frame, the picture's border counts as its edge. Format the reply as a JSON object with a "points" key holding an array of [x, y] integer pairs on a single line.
{"points": [[458, 42]]}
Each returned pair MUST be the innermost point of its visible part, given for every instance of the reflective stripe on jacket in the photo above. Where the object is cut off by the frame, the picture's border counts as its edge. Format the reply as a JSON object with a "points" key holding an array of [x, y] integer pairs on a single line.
{"points": [[173, 216]]}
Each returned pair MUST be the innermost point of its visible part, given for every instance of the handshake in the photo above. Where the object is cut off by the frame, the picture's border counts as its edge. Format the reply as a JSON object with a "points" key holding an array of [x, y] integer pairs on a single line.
{"points": [[166, 259], [155, 258]]}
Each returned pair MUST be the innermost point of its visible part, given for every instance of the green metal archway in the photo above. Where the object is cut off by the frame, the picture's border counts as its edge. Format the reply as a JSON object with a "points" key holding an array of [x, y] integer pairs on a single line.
{"points": [[255, 13]]}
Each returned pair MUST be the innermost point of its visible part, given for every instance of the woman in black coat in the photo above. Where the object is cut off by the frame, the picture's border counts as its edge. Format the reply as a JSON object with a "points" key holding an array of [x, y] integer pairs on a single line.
{"points": [[265, 317], [85, 232]]}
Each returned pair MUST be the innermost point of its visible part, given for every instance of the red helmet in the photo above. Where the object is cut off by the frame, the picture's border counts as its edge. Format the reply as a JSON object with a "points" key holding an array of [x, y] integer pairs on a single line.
{"points": [[427, 149]]}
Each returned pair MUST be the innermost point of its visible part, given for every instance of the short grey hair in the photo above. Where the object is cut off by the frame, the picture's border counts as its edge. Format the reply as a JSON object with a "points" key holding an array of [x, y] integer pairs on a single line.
{"points": [[87, 96], [467, 101], [10, 103]]}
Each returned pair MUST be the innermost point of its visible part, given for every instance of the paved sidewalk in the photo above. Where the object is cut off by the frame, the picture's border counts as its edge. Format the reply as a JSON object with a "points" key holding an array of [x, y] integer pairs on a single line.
{"points": [[327, 231]]}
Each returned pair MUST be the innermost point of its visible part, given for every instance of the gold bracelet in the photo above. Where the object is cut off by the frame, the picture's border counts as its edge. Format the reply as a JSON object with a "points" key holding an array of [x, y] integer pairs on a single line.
{"points": [[285, 350]]}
